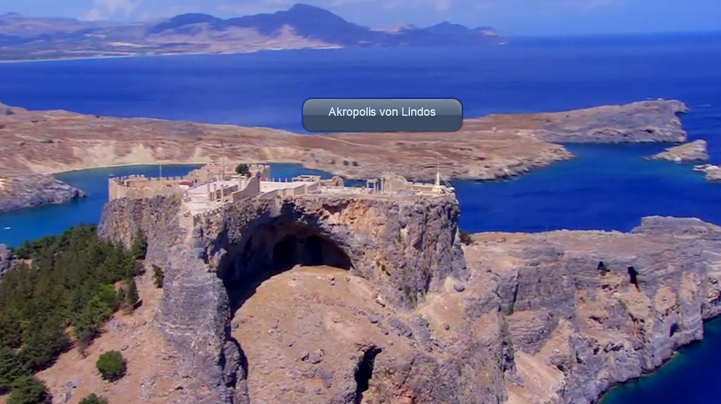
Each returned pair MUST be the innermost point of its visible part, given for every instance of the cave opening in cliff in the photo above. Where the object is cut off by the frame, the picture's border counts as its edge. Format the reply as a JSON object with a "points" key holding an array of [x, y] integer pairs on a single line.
{"points": [[364, 372], [273, 248]]}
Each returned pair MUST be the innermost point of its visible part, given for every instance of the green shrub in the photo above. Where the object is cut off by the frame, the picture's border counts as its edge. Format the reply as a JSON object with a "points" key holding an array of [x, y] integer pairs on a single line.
{"points": [[85, 339], [111, 365], [603, 268], [131, 297], [466, 238], [95, 313], [140, 245], [158, 276], [94, 399], [29, 390], [242, 169]]}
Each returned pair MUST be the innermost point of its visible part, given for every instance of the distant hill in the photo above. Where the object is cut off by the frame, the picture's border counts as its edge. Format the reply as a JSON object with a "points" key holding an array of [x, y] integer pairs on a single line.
{"points": [[301, 26]]}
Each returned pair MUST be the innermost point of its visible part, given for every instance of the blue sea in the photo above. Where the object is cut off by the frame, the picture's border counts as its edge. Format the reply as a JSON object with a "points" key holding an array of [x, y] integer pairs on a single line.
{"points": [[606, 187]]}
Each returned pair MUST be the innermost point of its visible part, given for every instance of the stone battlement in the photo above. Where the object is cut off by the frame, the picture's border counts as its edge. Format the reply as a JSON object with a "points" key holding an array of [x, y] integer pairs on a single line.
{"points": [[140, 186]]}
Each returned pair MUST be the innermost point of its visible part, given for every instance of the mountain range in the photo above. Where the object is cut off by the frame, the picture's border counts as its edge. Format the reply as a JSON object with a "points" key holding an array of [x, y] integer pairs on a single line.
{"points": [[301, 26]]}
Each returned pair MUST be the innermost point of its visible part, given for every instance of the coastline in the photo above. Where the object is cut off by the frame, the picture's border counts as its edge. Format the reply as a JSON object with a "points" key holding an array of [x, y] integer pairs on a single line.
{"points": [[137, 56], [67, 59]]}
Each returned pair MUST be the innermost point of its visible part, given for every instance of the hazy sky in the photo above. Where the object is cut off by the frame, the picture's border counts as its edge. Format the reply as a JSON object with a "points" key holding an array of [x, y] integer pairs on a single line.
{"points": [[510, 17]]}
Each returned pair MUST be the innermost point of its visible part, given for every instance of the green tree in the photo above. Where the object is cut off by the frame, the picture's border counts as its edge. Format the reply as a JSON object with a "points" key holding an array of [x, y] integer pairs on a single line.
{"points": [[140, 245], [131, 298], [106, 294], [111, 365], [94, 399], [29, 390], [10, 329], [158, 276], [94, 315], [11, 368], [68, 282], [85, 339], [43, 341], [242, 169]]}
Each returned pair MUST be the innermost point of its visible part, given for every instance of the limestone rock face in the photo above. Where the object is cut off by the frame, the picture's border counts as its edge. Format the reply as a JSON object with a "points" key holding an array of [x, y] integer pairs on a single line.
{"points": [[34, 190], [6, 259], [407, 246], [586, 310], [194, 310], [694, 151], [158, 218]]}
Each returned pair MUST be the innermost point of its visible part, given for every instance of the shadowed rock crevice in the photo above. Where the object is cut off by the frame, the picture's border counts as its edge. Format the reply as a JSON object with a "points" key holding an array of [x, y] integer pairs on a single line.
{"points": [[633, 277], [274, 247], [364, 372]]}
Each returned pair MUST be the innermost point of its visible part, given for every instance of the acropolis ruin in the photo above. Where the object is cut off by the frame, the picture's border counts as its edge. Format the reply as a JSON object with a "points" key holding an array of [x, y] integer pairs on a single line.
{"points": [[212, 186]]}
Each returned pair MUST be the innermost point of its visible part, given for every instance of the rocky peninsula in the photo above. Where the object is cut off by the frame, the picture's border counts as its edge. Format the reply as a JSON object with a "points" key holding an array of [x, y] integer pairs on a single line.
{"points": [[689, 152], [488, 148], [28, 191], [335, 298]]}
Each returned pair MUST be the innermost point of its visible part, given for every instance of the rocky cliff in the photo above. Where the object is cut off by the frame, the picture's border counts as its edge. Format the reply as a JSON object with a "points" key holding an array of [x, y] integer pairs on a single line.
{"points": [[348, 299], [406, 248], [587, 310], [34, 190]]}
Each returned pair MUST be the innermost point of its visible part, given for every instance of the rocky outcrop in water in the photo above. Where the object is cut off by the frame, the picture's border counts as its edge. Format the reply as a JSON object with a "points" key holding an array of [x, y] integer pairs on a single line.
{"points": [[34, 190], [689, 152], [713, 173]]}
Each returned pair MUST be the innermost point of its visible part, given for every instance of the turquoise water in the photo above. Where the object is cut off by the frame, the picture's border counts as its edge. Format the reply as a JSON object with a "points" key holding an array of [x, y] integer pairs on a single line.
{"points": [[607, 187]]}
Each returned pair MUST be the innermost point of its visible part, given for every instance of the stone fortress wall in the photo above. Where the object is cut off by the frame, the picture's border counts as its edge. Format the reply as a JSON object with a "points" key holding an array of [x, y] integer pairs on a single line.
{"points": [[140, 186]]}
